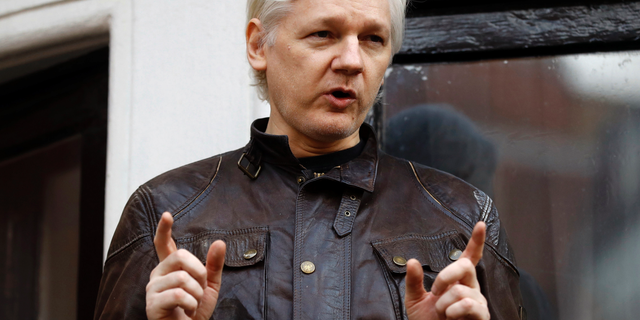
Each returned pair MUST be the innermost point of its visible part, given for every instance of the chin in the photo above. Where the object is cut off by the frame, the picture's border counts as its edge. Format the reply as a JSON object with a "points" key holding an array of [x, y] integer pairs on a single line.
{"points": [[329, 131]]}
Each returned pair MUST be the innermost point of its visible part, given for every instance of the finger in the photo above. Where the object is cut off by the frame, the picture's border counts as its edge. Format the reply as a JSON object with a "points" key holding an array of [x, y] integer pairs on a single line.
{"points": [[163, 242], [215, 264], [414, 290], [182, 260], [468, 308], [462, 271], [176, 279], [173, 298], [475, 246], [456, 293]]}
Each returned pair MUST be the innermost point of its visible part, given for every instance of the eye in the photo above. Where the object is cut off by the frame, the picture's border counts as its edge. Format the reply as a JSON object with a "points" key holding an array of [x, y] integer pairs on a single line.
{"points": [[377, 39], [321, 34]]}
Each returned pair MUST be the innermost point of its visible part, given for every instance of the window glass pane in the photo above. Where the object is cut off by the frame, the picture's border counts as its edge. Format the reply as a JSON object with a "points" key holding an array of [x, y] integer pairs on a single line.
{"points": [[556, 142]]}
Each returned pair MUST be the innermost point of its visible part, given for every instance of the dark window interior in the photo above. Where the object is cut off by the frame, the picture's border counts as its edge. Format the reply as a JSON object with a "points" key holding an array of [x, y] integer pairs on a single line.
{"points": [[53, 133]]}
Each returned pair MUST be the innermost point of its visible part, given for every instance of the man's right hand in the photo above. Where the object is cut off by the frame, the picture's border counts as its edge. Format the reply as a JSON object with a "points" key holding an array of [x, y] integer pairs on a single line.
{"points": [[181, 287]]}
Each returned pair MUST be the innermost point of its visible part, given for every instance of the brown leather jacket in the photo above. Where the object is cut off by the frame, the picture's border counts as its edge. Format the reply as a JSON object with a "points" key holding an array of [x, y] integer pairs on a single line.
{"points": [[350, 223]]}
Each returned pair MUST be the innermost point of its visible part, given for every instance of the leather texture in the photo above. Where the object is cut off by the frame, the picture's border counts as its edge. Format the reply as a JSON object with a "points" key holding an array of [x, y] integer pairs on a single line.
{"points": [[288, 215]]}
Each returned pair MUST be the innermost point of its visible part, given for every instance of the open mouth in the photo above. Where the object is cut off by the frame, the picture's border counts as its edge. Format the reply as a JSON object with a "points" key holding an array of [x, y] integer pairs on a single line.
{"points": [[341, 94]]}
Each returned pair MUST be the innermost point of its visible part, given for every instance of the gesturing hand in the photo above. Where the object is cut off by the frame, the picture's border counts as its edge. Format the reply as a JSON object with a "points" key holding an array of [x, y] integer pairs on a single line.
{"points": [[455, 293], [181, 287]]}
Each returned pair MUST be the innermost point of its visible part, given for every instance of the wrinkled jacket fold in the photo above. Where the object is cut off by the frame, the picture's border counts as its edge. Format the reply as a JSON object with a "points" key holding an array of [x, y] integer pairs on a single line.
{"points": [[352, 224]]}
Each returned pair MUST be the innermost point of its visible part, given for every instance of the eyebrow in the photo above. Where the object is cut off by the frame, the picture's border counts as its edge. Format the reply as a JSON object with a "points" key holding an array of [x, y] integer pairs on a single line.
{"points": [[369, 24]]}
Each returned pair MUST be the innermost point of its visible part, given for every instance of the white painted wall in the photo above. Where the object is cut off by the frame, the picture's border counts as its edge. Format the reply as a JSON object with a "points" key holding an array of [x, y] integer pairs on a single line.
{"points": [[13, 6], [179, 86], [192, 94]]}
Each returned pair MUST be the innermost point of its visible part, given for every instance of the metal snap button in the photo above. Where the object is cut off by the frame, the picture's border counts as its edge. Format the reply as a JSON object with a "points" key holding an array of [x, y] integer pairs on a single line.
{"points": [[400, 261], [308, 267], [249, 254], [455, 254], [301, 180]]}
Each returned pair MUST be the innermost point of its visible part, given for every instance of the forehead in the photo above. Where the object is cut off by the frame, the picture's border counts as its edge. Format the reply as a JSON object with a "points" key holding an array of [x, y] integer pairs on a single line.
{"points": [[365, 13]]}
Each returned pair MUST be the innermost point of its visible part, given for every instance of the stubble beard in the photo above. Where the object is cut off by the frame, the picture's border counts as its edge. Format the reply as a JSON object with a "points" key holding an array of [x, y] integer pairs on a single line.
{"points": [[324, 130]]}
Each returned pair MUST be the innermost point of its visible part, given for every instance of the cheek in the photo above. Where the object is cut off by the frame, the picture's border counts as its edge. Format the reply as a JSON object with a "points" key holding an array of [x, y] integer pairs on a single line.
{"points": [[293, 69], [375, 78], [306, 74], [381, 66]]}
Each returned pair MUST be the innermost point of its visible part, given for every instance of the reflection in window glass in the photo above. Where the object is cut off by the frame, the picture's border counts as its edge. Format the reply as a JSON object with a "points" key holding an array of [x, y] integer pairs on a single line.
{"points": [[556, 142]]}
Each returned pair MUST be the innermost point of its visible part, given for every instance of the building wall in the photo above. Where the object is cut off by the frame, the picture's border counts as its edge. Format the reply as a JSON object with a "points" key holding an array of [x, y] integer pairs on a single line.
{"points": [[179, 81]]}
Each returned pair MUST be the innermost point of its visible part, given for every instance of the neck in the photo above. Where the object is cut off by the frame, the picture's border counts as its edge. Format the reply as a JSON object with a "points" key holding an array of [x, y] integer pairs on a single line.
{"points": [[303, 146]]}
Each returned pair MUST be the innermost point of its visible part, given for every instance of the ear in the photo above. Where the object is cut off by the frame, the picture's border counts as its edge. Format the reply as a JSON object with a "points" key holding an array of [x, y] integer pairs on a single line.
{"points": [[255, 51]]}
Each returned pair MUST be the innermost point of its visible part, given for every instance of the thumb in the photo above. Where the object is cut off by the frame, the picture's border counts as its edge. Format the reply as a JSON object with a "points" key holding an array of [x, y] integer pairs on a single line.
{"points": [[414, 290], [474, 248], [163, 242], [215, 263]]}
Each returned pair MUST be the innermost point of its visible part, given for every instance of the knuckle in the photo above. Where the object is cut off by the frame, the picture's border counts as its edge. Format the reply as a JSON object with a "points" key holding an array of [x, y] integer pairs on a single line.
{"points": [[484, 301], [148, 287], [467, 303], [182, 276], [466, 263], [458, 290], [182, 254], [153, 273], [179, 294]]}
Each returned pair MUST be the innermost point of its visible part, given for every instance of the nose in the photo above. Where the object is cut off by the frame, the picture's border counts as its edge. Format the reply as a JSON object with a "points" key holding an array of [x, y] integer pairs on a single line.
{"points": [[349, 57]]}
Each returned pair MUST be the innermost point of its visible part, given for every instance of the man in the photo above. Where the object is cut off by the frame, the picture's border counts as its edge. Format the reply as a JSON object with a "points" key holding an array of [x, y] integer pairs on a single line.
{"points": [[316, 222]]}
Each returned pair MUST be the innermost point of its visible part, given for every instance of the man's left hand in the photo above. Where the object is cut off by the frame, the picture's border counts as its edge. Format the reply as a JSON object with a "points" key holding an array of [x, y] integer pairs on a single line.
{"points": [[455, 293]]}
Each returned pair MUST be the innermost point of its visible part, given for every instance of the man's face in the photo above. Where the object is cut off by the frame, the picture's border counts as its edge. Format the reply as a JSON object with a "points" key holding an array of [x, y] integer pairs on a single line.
{"points": [[327, 65]]}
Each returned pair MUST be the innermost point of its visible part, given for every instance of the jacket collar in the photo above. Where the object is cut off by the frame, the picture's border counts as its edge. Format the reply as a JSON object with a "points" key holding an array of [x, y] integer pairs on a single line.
{"points": [[273, 149]]}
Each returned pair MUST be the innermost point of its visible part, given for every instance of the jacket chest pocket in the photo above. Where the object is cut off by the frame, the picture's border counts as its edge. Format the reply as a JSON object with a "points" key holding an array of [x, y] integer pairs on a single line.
{"points": [[435, 252], [243, 288]]}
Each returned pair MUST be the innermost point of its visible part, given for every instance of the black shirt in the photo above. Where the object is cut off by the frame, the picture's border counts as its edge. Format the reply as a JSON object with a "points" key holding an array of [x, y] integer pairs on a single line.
{"points": [[325, 162]]}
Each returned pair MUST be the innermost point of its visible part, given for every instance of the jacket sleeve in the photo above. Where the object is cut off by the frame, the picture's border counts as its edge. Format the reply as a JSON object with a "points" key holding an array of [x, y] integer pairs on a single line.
{"points": [[497, 272], [499, 282], [130, 260]]}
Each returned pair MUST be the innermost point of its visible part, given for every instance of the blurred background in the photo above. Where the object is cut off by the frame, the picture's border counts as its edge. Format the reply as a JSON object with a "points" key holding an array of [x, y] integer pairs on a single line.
{"points": [[556, 141], [537, 103]]}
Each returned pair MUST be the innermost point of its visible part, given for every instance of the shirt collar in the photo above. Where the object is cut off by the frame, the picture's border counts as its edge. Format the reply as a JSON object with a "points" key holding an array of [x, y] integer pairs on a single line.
{"points": [[274, 149]]}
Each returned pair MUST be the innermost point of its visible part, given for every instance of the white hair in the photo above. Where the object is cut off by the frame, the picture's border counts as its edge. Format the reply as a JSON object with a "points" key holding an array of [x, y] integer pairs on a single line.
{"points": [[271, 12]]}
